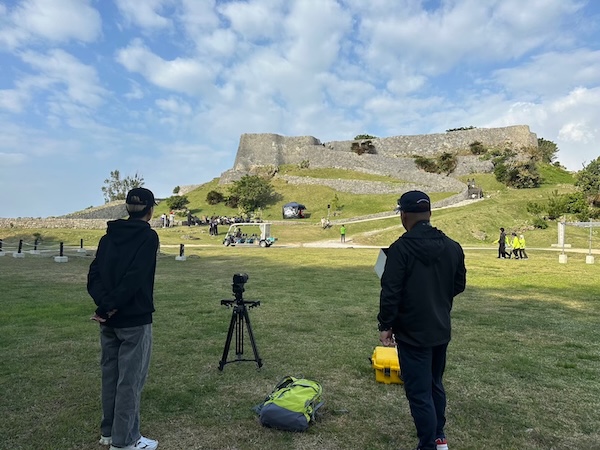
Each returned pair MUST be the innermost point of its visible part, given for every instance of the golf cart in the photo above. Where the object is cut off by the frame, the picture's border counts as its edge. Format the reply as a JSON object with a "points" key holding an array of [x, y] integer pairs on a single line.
{"points": [[246, 234]]}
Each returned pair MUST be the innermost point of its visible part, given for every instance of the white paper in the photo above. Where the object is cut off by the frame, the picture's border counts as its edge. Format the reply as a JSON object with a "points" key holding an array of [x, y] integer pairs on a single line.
{"points": [[380, 263]]}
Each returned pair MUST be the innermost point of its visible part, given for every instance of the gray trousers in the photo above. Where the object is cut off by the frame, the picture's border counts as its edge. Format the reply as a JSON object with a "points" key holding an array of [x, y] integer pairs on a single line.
{"points": [[124, 363]]}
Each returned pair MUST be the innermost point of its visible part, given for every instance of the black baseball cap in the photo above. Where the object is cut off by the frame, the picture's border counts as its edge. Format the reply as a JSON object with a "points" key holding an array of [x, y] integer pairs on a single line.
{"points": [[140, 196], [414, 201]]}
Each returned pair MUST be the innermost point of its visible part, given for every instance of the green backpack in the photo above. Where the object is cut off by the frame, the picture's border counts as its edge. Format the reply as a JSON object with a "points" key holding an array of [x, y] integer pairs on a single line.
{"points": [[292, 405]]}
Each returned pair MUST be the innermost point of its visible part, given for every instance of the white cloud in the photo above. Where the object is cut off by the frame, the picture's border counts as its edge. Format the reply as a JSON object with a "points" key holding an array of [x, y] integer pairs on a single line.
{"points": [[255, 20], [146, 13], [54, 21], [552, 72], [577, 132], [61, 69], [180, 74], [174, 106], [135, 92], [13, 100], [434, 41]]}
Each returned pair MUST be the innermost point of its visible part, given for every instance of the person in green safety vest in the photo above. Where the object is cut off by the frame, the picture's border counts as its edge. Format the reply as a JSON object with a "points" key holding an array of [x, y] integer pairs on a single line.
{"points": [[522, 252], [343, 233], [516, 245]]}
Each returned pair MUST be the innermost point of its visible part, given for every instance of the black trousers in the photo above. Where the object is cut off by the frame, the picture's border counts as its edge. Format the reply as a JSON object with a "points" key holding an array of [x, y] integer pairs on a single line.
{"points": [[422, 370]]}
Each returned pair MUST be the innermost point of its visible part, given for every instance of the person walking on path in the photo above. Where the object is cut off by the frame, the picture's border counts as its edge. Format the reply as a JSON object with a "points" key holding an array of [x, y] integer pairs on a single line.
{"points": [[516, 244], [424, 271], [502, 242], [522, 252], [121, 283], [343, 234]]}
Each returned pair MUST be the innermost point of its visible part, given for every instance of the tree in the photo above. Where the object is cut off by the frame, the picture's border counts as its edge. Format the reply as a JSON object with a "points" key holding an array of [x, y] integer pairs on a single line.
{"points": [[116, 188], [252, 192], [547, 150], [588, 179], [214, 198], [364, 136], [177, 201]]}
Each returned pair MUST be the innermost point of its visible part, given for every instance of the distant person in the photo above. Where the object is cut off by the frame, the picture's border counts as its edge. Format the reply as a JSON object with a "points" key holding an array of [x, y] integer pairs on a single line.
{"points": [[189, 218], [516, 244], [121, 283], [423, 273], [323, 222], [522, 252], [172, 218], [343, 233], [502, 242], [163, 219]]}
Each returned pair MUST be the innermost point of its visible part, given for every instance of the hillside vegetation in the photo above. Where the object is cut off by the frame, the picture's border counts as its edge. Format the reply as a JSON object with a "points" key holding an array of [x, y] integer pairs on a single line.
{"points": [[473, 224]]}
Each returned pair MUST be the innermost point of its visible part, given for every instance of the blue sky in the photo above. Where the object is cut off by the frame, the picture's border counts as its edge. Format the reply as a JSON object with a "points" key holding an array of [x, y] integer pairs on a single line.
{"points": [[165, 88]]}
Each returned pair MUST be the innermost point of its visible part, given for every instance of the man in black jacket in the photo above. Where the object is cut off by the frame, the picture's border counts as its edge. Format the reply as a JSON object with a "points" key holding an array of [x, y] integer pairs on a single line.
{"points": [[423, 273], [121, 283]]}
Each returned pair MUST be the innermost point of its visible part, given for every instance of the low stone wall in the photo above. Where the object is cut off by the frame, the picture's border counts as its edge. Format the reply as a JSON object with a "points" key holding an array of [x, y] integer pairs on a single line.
{"points": [[53, 222], [58, 222]]}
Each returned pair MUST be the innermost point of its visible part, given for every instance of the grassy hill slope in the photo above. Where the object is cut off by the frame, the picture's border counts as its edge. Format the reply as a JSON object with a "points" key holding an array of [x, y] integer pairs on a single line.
{"points": [[473, 224]]}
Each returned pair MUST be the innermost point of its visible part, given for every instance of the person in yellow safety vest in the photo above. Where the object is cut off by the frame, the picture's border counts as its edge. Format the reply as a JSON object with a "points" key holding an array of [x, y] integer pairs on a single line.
{"points": [[522, 252], [516, 245]]}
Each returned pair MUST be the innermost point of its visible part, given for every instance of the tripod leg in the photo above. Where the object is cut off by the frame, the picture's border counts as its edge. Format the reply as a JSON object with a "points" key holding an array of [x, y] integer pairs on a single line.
{"points": [[252, 341], [239, 336], [234, 317]]}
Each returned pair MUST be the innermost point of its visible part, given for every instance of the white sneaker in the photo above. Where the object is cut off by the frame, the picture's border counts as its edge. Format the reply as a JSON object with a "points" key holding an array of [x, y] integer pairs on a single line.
{"points": [[105, 440], [143, 443], [441, 444]]}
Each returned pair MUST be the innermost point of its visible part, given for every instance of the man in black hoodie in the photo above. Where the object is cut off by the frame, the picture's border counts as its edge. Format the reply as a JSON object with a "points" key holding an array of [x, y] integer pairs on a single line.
{"points": [[423, 273], [121, 283]]}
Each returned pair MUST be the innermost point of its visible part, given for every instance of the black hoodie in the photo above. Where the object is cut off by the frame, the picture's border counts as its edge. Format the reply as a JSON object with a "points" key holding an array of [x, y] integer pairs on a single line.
{"points": [[121, 277], [424, 270]]}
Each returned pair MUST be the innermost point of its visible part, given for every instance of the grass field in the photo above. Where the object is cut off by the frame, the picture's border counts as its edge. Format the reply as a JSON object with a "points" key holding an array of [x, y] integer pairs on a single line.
{"points": [[523, 365]]}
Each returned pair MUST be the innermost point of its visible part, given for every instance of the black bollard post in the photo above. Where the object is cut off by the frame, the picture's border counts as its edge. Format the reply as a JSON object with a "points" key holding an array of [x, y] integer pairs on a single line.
{"points": [[61, 249], [181, 256], [20, 246], [81, 243], [35, 244], [0, 245]]}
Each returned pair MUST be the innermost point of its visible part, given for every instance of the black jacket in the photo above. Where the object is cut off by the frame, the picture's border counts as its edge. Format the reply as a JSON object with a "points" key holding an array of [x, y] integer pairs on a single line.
{"points": [[121, 276], [423, 272]]}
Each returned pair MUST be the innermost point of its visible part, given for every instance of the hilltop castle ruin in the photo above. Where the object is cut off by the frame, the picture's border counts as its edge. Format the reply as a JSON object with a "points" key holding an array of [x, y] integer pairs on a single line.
{"points": [[392, 156]]}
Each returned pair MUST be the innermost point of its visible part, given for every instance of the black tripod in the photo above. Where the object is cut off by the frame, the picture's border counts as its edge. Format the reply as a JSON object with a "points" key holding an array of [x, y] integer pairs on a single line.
{"points": [[238, 317]]}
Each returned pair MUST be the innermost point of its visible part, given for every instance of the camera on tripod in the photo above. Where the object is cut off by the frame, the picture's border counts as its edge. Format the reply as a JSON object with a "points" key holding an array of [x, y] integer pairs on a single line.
{"points": [[239, 319], [239, 279]]}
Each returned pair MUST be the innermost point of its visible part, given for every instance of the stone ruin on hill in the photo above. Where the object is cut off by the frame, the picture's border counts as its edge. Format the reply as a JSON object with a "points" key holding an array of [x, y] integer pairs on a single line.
{"points": [[391, 156]]}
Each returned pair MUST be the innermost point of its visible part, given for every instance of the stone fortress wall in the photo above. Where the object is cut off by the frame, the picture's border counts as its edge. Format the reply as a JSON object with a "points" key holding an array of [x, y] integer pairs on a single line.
{"points": [[394, 156]]}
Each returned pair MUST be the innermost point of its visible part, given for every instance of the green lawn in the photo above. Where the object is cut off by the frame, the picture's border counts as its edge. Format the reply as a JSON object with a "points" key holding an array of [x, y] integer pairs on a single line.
{"points": [[522, 373]]}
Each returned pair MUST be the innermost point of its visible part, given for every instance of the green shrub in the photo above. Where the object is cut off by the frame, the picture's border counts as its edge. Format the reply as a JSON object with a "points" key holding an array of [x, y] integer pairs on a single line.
{"points": [[232, 201], [214, 198], [540, 223], [477, 148], [176, 190], [427, 164], [177, 201], [517, 174], [446, 163], [534, 208], [364, 136]]}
